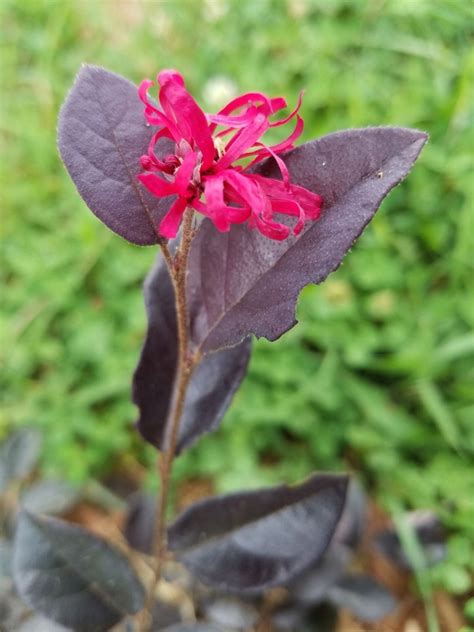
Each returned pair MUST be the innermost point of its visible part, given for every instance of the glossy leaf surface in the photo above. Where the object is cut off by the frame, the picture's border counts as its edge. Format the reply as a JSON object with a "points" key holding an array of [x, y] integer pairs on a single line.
{"points": [[363, 596], [312, 587], [50, 496], [19, 455], [212, 385], [139, 522], [429, 532], [241, 282], [250, 541], [101, 135], [72, 576]]}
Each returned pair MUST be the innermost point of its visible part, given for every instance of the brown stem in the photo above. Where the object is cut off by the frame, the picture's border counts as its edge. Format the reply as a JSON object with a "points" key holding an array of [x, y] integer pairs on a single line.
{"points": [[177, 267]]}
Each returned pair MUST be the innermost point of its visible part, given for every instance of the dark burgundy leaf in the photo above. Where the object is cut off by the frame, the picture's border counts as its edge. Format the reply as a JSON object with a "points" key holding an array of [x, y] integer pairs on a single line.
{"points": [[242, 282], [5, 559], [352, 524], [312, 587], [19, 455], [13, 611], [213, 383], [194, 627], [101, 135], [429, 532], [294, 618], [164, 615], [140, 521], [288, 618], [231, 613], [363, 596], [50, 496], [250, 541], [41, 624], [72, 576]]}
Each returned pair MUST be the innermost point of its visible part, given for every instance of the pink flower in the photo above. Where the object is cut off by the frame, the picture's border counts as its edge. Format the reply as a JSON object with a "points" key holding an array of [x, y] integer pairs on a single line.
{"points": [[204, 171]]}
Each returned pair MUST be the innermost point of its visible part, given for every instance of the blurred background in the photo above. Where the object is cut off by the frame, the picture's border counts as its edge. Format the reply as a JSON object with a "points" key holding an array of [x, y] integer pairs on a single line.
{"points": [[377, 377]]}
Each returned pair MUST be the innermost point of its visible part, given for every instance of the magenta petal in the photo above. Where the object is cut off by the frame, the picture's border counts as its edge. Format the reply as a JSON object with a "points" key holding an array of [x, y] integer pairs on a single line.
{"points": [[162, 133], [243, 140], [212, 180], [247, 189], [234, 121], [289, 142], [200, 207], [291, 114], [151, 162], [170, 223], [217, 193], [276, 189], [190, 119], [153, 115], [272, 230], [292, 208], [156, 185], [287, 207], [248, 98], [277, 103], [280, 162], [185, 172], [284, 145], [170, 75], [143, 91], [214, 192]]}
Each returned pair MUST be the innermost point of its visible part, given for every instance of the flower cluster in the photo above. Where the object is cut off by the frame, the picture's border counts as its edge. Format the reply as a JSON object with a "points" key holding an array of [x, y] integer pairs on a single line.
{"points": [[209, 170]]}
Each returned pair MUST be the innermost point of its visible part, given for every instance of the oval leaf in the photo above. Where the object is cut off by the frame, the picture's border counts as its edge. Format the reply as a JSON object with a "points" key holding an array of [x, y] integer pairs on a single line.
{"points": [[101, 135], [241, 282], [231, 613], [312, 587], [50, 496], [429, 533], [212, 385], [363, 596], [139, 527], [352, 524], [19, 455], [250, 541], [164, 615], [293, 618], [5, 558], [41, 624], [72, 576], [194, 627]]}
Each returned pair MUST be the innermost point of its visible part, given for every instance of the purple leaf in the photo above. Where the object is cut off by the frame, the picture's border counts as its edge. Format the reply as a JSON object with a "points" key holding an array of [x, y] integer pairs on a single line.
{"points": [[5, 558], [352, 525], [363, 596], [164, 615], [41, 624], [250, 541], [194, 627], [72, 576], [429, 532], [19, 454], [241, 282], [292, 617], [139, 524], [212, 385], [101, 135], [311, 588], [50, 496], [230, 613]]}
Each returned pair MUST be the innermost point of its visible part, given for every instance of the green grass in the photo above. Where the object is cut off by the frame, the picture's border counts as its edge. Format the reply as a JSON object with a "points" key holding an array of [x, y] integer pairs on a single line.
{"points": [[377, 378]]}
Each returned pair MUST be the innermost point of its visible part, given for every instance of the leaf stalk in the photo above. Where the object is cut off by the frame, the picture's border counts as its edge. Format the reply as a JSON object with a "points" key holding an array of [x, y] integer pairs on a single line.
{"points": [[177, 266]]}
